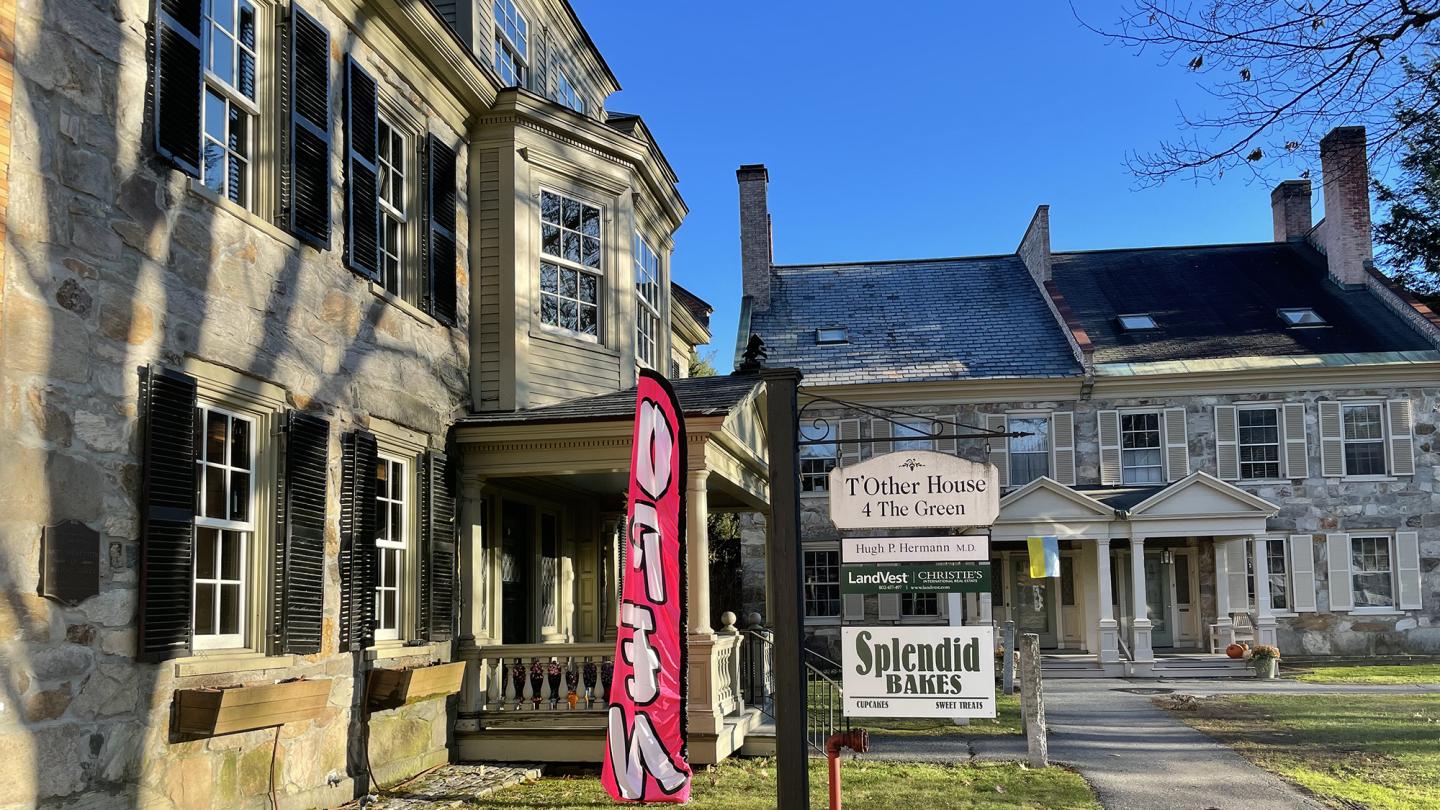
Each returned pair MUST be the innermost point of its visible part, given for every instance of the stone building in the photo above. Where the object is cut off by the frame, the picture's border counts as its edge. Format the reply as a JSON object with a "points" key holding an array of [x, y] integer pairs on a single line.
{"points": [[259, 260], [1230, 441]]}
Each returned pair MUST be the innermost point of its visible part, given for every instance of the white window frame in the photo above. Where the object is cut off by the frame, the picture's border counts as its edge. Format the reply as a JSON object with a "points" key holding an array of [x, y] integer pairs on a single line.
{"points": [[394, 209], [817, 460], [647, 306], [1279, 443], [517, 67], [1388, 541], [806, 568], [230, 96], [921, 439], [1159, 448], [399, 548], [1279, 548], [204, 468], [1010, 453], [1383, 440], [563, 265]]}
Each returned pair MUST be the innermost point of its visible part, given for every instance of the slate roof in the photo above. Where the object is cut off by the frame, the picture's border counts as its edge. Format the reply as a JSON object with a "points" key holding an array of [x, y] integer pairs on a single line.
{"points": [[913, 321], [698, 308], [1220, 301], [699, 396], [1120, 497]]}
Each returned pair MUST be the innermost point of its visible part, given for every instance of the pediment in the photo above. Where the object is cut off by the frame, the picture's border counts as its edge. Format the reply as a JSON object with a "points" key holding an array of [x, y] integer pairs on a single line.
{"points": [[1047, 499], [1202, 494]]}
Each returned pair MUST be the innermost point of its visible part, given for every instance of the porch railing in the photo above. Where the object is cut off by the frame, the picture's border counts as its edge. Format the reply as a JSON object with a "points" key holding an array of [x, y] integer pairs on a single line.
{"points": [[546, 677], [824, 703], [728, 696], [757, 675]]}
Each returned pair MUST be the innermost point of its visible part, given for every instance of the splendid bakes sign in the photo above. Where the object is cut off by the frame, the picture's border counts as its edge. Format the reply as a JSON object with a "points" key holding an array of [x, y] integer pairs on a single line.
{"points": [[918, 671], [914, 489]]}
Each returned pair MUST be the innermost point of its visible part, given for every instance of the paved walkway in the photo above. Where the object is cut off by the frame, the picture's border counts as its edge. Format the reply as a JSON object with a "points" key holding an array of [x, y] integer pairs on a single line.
{"points": [[1136, 755]]}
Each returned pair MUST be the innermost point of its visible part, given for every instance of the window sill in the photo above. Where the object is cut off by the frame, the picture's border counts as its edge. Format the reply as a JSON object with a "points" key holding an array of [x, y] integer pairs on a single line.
{"points": [[1367, 479], [928, 620], [389, 650], [1374, 612], [240, 212], [230, 661], [823, 621], [401, 304], [816, 495]]}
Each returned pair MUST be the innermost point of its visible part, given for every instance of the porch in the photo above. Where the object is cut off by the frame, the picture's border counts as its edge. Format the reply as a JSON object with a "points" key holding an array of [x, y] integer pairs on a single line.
{"points": [[543, 557]]}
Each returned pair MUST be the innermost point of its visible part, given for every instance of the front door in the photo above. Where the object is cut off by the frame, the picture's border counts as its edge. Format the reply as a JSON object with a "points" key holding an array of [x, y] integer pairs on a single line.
{"points": [[1157, 599], [1033, 602], [517, 552]]}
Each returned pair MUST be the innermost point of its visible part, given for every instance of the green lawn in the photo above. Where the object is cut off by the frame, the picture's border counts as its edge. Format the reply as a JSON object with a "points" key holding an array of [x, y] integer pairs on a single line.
{"points": [[1397, 674], [750, 785], [1352, 751]]}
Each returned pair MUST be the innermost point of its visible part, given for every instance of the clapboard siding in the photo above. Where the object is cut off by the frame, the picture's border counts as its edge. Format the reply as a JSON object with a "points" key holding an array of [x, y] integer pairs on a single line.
{"points": [[488, 239], [563, 370]]}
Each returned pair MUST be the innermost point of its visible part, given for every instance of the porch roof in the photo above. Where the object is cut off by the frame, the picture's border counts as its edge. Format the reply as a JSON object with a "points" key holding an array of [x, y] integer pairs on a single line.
{"points": [[699, 396]]}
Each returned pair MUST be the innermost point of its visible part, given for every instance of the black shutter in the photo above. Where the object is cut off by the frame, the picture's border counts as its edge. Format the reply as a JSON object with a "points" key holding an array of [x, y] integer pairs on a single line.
{"points": [[300, 564], [440, 229], [167, 515], [179, 82], [309, 189], [362, 205], [357, 541], [437, 561]]}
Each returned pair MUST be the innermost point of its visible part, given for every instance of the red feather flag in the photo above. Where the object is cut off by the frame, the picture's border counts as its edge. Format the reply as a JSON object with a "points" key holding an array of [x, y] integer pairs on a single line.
{"points": [[645, 755]]}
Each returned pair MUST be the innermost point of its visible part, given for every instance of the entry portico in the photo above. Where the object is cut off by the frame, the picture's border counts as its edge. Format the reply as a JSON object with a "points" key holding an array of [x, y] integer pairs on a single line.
{"points": [[1125, 545]]}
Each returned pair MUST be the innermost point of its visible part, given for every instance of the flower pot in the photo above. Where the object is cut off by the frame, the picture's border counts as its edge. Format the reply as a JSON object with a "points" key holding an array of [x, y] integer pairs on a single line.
{"points": [[389, 688], [229, 709], [1266, 667]]}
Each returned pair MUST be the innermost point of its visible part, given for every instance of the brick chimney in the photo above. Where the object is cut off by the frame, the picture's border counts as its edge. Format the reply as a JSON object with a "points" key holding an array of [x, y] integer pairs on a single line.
{"points": [[1346, 232], [756, 251], [1290, 208]]}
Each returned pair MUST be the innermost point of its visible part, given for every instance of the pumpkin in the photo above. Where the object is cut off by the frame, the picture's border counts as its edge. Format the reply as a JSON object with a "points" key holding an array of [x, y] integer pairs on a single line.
{"points": [[1235, 650]]}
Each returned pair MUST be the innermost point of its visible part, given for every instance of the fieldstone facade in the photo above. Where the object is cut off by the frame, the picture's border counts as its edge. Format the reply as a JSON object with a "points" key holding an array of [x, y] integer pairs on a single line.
{"points": [[113, 262]]}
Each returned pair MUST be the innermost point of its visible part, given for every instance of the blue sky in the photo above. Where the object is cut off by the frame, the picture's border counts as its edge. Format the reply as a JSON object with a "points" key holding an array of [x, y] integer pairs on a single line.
{"points": [[905, 130]]}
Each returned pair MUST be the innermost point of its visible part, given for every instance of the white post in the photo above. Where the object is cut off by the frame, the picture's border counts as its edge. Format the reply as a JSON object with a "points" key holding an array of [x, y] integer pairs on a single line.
{"points": [[698, 554], [1224, 626], [1109, 631], [1140, 623], [1264, 616]]}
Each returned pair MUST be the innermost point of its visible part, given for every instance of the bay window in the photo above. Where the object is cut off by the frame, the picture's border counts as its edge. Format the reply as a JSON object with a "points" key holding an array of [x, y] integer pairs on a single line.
{"points": [[512, 43], [570, 265], [647, 303]]}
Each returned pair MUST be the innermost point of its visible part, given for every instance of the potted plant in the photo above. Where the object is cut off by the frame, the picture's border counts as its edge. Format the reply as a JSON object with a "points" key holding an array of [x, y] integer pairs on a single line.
{"points": [[1266, 659]]}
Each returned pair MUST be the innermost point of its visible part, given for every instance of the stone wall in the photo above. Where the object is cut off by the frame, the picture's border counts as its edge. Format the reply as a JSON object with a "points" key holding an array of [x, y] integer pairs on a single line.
{"points": [[1315, 505], [113, 261]]}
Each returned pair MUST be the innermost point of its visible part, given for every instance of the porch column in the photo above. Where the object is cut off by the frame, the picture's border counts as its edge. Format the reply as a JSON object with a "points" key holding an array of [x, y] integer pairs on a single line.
{"points": [[1264, 616], [1140, 624], [697, 540], [1224, 634], [1109, 651], [474, 609]]}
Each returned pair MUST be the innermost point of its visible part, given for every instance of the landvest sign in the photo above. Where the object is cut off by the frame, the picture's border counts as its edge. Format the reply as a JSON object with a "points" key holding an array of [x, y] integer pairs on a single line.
{"points": [[915, 578], [964, 548], [914, 488], [645, 756], [918, 671]]}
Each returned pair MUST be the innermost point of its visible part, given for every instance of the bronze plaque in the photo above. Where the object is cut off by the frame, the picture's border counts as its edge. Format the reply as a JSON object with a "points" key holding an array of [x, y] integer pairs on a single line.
{"points": [[69, 562]]}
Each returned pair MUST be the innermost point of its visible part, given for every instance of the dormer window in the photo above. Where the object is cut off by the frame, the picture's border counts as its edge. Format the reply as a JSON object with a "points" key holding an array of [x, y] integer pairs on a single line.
{"points": [[1301, 316], [1138, 322], [832, 334], [511, 43]]}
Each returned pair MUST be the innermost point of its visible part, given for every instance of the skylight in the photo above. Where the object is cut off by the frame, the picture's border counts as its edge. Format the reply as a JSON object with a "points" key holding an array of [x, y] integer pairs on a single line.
{"points": [[1301, 316], [1138, 322], [832, 334]]}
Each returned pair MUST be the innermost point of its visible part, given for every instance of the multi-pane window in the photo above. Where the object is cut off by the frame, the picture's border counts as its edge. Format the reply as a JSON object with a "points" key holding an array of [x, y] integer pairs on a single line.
{"points": [[1364, 439], [224, 525], [822, 583], [390, 545], [647, 302], [911, 434], [566, 94], [1279, 580], [228, 114], [511, 43], [919, 604], [816, 462], [1029, 455], [570, 265], [1258, 435], [1141, 460], [390, 148], [1371, 572]]}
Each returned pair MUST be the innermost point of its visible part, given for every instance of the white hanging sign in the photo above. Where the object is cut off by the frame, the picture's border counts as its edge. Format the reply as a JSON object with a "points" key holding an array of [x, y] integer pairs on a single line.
{"points": [[965, 548], [914, 489]]}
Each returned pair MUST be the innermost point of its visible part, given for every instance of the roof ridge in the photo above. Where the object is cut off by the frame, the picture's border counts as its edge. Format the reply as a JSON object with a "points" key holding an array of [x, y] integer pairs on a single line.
{"points": [[821, 265], [1170, 247]]}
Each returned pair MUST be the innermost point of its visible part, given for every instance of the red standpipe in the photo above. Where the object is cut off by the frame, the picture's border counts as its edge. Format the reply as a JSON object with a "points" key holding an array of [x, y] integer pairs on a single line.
{"points": [[857, 740]]}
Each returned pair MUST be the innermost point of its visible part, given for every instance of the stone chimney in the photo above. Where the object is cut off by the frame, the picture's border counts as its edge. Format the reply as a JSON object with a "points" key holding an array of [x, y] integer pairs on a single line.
{"points": [[1290, 208], [756, 251], [1034, 247], [1346, 178]]}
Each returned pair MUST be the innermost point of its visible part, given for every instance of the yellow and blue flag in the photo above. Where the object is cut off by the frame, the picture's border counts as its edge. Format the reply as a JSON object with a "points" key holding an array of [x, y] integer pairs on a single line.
{"points": [[1044, 556]]}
